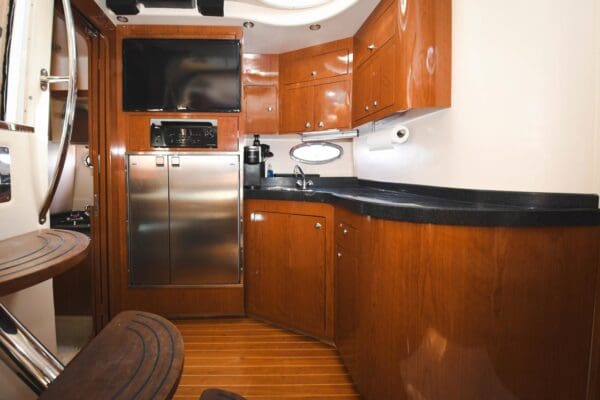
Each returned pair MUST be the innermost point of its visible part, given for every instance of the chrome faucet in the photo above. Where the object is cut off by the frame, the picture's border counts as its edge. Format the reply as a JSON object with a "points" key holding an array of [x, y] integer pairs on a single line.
{"points": [[301, 183]]}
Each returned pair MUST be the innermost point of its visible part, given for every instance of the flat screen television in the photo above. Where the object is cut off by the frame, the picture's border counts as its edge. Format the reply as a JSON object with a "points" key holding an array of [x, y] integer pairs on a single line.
{"points": [[186, 75]]}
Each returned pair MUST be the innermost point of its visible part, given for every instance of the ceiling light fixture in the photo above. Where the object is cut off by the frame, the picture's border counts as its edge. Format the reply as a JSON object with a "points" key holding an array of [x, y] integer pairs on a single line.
{"points": [[248, 24], [314, 27], [123, 19]]}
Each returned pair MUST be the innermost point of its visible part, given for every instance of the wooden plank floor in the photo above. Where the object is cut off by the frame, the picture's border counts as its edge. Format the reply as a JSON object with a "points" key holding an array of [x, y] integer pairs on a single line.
{"points": [[259, 362]]}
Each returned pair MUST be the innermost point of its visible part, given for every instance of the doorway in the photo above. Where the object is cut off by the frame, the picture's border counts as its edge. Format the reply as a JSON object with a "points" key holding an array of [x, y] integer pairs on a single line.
{"points": [[79, 294]]}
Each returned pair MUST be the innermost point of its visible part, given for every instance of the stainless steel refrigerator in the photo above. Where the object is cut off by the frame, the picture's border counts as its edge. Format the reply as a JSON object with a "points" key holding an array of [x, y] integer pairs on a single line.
{"points": [[184, 219]]}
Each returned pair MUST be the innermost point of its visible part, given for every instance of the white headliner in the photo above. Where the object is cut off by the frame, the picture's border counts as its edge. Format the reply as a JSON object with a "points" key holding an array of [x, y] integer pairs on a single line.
{"points": [[275, 30]]}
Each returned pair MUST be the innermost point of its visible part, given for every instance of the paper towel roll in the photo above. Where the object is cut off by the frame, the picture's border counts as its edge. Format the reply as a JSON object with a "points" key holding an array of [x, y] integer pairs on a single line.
{"points": [[385, 139]]}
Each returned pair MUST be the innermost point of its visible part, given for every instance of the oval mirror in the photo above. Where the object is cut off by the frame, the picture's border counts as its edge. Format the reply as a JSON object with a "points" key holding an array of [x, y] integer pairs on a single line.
{"points": [[316, 152]]}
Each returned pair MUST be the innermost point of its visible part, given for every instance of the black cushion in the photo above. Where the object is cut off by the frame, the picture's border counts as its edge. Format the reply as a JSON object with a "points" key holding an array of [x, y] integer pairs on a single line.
{"points": [[218, 394]]}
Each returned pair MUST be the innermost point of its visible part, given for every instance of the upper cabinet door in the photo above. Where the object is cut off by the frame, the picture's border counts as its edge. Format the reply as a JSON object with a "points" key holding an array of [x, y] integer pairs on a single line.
{"points": [[332, 105], [297, 109], [372, 36], [361, 92], [262, 114], [383, 70], [317, 67]]}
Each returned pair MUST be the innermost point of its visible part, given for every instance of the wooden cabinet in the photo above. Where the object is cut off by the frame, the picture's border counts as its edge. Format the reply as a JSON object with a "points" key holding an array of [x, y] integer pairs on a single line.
{"points": [[317, 67], [260, 79], [316, 87], [314, 108], [464, 312], [374, 35], [297, 109], [379, 72], [347, 284], [288, 278], [260, 106], [332, 105], [403, 59]]}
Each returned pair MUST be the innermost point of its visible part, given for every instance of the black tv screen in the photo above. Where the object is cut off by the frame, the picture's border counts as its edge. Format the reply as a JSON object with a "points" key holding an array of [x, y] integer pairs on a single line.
{"points": [[194, 75]]}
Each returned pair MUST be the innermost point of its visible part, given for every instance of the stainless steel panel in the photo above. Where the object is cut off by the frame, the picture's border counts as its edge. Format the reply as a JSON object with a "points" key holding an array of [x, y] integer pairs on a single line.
{"points": [[205, 215], [148, 220]]}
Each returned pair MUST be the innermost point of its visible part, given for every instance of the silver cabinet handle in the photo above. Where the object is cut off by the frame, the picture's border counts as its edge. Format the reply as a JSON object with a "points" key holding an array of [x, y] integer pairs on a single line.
{"points": [[67, 126], [375, 103], [371, 47], [160, 161], [175, 161], [345, 231], [366, 108], [270, 109], [307, 125], [318, 225], [339, 255], [313, 73], [321, 124]]}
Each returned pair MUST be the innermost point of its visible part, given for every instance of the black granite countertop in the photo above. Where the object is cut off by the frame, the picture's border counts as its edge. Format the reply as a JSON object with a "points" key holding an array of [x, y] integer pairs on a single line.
{"points": [[437, 205]]}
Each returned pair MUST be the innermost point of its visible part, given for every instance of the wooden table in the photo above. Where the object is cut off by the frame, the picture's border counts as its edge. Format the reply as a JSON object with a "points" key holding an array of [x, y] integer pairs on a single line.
{"points": [[136, 356], [29, 259]]}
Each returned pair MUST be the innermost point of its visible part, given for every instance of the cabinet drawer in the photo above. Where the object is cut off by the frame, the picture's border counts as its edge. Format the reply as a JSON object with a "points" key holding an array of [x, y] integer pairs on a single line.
{"points": [[346, 236], [322, 66], [374, 34]]}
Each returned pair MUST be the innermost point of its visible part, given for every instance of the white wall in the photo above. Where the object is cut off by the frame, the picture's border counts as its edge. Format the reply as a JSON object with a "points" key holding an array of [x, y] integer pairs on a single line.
{"points": [[283, 164], [29, 177], [525, 101]]}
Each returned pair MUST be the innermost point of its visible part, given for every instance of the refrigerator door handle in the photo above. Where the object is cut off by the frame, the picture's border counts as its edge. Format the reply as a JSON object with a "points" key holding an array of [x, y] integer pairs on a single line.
{"points": [[67, 126]]}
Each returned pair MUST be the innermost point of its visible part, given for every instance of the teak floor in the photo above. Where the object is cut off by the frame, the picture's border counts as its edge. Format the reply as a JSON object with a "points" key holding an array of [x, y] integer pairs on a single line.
{"points": [[259, 362]]}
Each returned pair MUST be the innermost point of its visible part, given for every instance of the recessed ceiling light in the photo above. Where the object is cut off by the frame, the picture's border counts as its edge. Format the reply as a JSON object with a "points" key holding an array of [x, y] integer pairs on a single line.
{"points": [[314, 27], [123, 19], [249, 24]]}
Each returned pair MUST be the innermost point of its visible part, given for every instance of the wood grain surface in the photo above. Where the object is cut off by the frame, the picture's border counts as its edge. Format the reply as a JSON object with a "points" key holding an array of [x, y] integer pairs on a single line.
{"points": [[37, 256], [136, 356], [259, 362]]}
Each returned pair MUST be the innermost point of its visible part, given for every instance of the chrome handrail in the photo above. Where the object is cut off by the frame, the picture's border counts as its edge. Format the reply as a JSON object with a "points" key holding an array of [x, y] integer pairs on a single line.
{"points": [[67, 126], [26, 356]]}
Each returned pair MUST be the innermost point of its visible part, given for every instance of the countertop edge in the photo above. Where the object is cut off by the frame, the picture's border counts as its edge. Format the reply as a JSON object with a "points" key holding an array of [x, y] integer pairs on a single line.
{"points": [[441, 216]]}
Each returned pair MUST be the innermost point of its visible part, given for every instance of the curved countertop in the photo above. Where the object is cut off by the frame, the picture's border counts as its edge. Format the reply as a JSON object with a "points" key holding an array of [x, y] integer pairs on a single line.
{"points": [[437, 205]]}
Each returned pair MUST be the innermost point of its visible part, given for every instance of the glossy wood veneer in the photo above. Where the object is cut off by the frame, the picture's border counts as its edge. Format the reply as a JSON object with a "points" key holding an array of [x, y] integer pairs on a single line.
{"points": [[438, 312], [289, 264], [417, 70]]}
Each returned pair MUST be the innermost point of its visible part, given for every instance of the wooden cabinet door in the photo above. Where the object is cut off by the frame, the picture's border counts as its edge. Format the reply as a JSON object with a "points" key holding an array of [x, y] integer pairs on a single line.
{"points": [[383, 78], [316, 67], [267, 261], [346, 310], [297, 109], [306, 274], [332, 105], [261, 109], [361, 96]]}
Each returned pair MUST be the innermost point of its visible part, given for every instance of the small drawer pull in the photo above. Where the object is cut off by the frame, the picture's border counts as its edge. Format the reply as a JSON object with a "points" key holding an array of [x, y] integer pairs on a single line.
{"points": [[313, 73], [318, 225], [270, 109], [339, 255], [345, 231], [321, 124], [366, 108], [375, 103], [307, 125], [371, 47]]}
